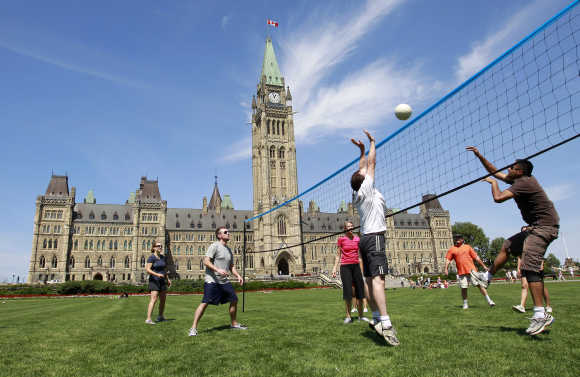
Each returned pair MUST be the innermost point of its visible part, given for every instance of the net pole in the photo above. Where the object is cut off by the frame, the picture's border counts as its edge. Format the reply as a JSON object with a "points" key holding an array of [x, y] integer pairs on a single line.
{"points": [[244, 271]]}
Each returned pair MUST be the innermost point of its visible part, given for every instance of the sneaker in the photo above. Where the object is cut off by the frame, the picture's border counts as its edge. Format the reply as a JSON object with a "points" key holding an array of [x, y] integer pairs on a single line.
{"points": [[548, 309], [364, 319], [519, 308], [353, 310], [538, 325], [365, 310], [347, 320], [465, 306], [238, 327], [479, 278], [149, 322], [491, 304], [160, 318], [388, 333], [192, 332]]}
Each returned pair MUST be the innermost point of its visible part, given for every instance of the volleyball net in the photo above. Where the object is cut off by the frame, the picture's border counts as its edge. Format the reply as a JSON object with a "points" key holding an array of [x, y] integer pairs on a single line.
{"points": [[524, 103]]}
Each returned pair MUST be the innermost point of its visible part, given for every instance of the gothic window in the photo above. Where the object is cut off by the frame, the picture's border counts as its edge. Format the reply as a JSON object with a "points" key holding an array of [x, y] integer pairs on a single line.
{"points": [[282, 128], [268, 126], [100, 261], [112, 263], [235, 226], [76, 245], [281, 152], [103, 216], [115, 245], [278, 128], [91, 215], [127, 262], [130, 245], [42, 261], [149, 245], [262, 262], [237, 263], [87, 262], [125, 245], [199, 225], [272, 152], [50, 244], [142, 261], [144, 246], [127, 217], [44, 244], [115, 216], [79, 215], [189, 265], [177, 225], [281, 225]]}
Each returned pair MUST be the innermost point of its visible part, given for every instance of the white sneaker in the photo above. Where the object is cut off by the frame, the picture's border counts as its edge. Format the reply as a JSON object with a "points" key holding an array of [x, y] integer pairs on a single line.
{"points": [[465, 306], [491, 303], [353, 310], [519, 308], [192, 332], [365, 310], [149, 322], [548, 309], [347, 320], [238, 326]]}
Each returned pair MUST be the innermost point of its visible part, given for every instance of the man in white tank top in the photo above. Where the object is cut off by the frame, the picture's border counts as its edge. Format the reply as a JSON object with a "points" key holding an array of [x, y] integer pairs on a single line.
{"points": [[371, 208]]}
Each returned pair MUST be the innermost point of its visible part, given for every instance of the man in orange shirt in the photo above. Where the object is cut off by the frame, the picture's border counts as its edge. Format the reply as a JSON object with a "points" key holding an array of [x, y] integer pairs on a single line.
{"points": [[464, 256]]}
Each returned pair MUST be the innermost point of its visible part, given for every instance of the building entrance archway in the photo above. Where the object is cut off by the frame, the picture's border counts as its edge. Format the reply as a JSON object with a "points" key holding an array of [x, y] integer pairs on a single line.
{"points": [[283, 268], [98, 276]]}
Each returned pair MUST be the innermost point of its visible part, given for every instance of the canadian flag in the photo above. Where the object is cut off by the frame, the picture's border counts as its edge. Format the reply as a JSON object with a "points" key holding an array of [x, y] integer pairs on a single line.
{"points": [[273, 23]]}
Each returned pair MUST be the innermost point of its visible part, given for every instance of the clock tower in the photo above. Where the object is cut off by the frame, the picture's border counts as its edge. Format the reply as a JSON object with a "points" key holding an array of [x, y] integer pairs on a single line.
{"points": [[274, 171]]}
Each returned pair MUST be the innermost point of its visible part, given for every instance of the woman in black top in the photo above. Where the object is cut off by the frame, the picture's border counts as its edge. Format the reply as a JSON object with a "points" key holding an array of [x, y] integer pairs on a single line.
{"points": [[158, 281]]}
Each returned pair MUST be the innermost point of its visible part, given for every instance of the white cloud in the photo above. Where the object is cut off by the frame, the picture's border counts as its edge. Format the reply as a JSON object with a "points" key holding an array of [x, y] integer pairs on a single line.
{"points": [[225, 21], [560, 192], [515, 28], [240, 150]]}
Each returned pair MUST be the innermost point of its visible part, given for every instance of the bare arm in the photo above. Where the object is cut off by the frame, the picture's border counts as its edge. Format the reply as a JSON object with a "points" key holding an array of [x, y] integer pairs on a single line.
{"points": [[236, 274], [486, 164], [336, 260], [447, 261], [372, 156], [498, 195], [362, 164], [481, 263]]}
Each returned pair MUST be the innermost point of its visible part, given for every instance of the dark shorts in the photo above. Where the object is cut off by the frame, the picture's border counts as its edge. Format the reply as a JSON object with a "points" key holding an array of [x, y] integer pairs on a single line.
{"points": [[215, 294], [157, 285], [531, 245], [350, 274], [374, 257]]}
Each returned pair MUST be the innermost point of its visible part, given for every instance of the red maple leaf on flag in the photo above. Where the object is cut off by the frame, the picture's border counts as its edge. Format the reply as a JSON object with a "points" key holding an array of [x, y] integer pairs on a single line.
{"points": [[273, 23]]}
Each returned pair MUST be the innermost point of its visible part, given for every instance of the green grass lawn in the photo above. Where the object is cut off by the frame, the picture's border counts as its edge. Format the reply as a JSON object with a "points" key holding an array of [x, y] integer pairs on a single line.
{"points": [[291, 333]]}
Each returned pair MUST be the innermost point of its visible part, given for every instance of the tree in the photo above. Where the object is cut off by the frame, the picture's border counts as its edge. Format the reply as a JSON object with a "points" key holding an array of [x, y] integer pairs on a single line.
{"points": [[551, 262], [475, 237]]}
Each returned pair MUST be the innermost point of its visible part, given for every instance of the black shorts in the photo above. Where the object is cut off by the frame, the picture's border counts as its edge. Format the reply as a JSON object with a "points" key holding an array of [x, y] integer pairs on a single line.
{"points": [[215, 294], [157, 285], [349, 274], [374, 257]]}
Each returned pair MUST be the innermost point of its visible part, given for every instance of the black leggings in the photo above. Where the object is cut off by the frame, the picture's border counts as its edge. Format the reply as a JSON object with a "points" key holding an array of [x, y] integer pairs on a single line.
{"points": [[349, 274]]}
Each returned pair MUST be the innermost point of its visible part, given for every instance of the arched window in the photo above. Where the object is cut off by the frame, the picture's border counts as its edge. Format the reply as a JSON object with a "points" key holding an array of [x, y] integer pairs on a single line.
{"points": [[189, 265], [71, 262], [100, 261], [281, 152], [115, 216], [201, 265], [278, 128], [127, 217], [127, 262], [50, 244], [125, 245], [149, 245], [99, 245], [281, 225], [130, 245], [144, 245], [79, 215], [272, 152], [86, 245], [261, 262], [91, 215], [112, 262], [55, 245], [142, 261], [87, 262], [282, 128], [91, 244], [76, 245], [44, 244], [268, 126], [110, 244], [42, 261], [103, 216], [177, 265]]}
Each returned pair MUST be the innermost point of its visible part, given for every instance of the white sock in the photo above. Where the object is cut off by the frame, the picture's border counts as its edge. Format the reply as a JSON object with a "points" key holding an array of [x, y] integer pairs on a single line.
{"points": [[539, 312], [488, 299], [386, 320], [464, 302]]}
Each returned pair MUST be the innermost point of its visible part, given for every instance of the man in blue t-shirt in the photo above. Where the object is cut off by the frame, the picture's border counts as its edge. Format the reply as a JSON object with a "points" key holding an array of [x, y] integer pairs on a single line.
{"points": [[217, 289]]}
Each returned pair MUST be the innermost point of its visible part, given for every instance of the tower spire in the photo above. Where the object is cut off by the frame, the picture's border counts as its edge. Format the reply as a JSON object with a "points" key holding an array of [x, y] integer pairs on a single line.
{"points": [[270, 69]]}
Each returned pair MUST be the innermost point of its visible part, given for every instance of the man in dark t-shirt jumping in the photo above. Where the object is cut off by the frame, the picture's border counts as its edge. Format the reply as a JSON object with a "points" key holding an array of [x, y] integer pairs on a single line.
{"points": [[531, 243]]}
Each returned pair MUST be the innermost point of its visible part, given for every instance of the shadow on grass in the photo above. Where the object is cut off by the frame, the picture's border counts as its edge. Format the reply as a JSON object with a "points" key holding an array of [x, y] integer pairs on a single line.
{"points": [[217, 328], [520, 331], [372, 335]]}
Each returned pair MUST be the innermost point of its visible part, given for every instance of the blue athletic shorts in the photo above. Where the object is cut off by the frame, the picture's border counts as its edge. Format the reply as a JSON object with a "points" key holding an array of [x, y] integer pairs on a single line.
{"points": [[215, 294]]}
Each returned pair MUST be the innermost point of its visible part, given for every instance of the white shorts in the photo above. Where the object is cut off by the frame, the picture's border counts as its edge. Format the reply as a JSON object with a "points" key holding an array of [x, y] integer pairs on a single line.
{"points": [[465, 280]]}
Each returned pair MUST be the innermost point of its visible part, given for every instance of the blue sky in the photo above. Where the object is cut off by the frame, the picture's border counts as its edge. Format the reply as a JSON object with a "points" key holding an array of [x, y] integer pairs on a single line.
{"points": [[110, 91]]}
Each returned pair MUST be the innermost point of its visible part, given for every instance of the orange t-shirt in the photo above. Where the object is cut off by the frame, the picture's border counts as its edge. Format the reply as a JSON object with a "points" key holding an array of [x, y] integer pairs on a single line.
{"points": [[464, 256]]}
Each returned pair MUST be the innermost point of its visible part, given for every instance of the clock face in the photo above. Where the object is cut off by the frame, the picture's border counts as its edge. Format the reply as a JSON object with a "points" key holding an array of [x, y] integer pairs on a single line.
{"points": [[274, 97]]}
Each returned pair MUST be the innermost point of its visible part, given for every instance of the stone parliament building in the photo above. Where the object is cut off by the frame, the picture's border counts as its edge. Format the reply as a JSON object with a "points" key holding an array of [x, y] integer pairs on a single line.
{"points": [[91, 241]]}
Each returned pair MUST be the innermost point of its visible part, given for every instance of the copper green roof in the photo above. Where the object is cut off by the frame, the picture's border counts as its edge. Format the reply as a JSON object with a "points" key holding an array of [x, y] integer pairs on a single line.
{"points": [[270, 65], [227, 202], [90, 198]]}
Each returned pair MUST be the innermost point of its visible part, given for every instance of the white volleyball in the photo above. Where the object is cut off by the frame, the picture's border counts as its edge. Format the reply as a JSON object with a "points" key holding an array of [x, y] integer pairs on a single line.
{"points": [[403, 111]]}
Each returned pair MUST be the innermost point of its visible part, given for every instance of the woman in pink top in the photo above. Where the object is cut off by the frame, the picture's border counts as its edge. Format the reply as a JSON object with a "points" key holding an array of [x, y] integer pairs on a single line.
{"points": [[349, 270]]}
